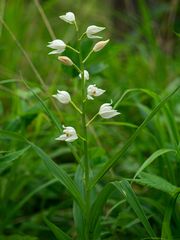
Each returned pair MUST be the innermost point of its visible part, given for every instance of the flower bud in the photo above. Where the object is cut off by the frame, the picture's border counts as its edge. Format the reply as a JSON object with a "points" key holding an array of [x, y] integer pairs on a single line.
{"points": [[63, 97], [69, 17], [100, 45], [106, 111], [92, 30], [67, 61], [58, 45]]}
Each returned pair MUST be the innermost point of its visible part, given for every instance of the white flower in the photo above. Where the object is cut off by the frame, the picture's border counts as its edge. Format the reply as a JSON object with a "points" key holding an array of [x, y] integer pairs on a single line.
{"points": [[58, 45], [69, 17], [66, 60], [106, 111], [93, 91], [100, 45], [69, 135], [86, 75], [63, 97], [91, 30]]}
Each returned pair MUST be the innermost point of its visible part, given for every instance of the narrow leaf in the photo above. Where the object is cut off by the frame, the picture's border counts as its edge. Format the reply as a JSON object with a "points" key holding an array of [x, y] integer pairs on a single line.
{"points": [[157, 182], [153, 157], [60, 174], [125, 188], [166, 230], [130, 141], [58, 233]]}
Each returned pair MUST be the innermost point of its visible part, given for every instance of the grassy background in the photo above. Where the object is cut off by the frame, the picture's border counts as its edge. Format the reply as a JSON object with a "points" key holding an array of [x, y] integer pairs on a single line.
{"points": [[143, 53]]}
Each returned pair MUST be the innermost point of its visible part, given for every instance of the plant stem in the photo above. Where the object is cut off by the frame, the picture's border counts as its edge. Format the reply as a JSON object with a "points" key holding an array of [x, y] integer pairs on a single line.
{"points": [[85, 147], [76, 107], [73, 49], [92, 119], [89, 54]]}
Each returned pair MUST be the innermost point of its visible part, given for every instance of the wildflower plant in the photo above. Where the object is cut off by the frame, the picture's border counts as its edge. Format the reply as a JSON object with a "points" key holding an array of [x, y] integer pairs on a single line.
{"points": [[88, 200]]}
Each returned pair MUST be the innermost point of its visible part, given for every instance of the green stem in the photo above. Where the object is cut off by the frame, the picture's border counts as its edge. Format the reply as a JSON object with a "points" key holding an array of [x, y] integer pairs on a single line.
{"points": [[85, 147], [81, 37], [73, 49], [76, 107], [89, 54], [92, 119], [76, 67]]}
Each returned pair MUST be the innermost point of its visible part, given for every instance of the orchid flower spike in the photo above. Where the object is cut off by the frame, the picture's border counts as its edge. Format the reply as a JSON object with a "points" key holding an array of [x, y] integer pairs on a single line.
{"points": [[63, 97], [69, 135], [86, 75], [69, 17], [58, 45], [100, 45], [92, 30], [93, 91], [106, 111]]}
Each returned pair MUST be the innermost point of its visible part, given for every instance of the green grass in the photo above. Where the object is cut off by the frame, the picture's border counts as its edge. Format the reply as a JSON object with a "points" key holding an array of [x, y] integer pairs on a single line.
{"points": [[135, 159]]}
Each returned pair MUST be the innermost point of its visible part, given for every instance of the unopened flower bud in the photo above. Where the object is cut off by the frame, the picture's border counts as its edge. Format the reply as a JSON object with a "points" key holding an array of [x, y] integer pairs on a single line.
{"points": [[69, 17], [67, 61], [58, 46], [63, 97], [92, 30], [100, 45]]}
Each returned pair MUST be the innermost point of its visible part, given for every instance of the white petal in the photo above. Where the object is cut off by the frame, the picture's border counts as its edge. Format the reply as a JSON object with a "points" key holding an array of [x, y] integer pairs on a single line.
{"points": [[109, 114], [71, 138], [62, 137], [89, 97], [86, 75], [56, 52]]}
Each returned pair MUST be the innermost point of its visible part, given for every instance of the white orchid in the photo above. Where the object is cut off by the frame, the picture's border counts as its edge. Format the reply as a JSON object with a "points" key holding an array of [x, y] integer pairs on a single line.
{"points": [[100, 45], [86, 75], [92, 30], [58, 45], [63, 97], [106, 111], [93, 91], [69, 135], [69, 17]]}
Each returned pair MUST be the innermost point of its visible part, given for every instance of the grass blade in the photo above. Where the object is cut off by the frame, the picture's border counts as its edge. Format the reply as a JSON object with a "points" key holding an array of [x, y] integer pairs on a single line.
{"points": [[130, 141], [166, 229], [153, 157], [157, 182], [58, 233], [60, 174], [125, 188]]}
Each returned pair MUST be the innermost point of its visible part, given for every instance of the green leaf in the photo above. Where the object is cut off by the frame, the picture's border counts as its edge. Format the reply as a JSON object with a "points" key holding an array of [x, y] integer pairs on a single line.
{"points": [[125, 188], [26, 198], [130, 141], [60, 174], [157, 182], [18, 237], [97, 207], [150, 93], [7, 159], [58, 233], [153, 157], [166, 225], [118, 124]]}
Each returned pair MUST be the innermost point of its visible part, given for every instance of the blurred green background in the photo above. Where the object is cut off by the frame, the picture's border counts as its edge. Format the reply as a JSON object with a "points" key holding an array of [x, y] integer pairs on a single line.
{"points": [[143, 53]]}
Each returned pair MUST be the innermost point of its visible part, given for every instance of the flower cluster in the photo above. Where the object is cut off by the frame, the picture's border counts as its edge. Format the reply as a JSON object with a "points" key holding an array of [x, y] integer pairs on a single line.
{"points": [[106, 111]]}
